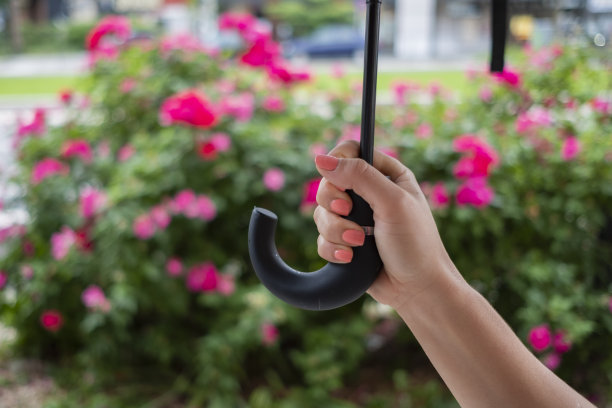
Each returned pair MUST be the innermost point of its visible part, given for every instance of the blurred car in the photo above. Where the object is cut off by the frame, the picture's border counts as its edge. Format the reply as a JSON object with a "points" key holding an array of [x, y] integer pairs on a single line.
{"points": [[327, 41]]}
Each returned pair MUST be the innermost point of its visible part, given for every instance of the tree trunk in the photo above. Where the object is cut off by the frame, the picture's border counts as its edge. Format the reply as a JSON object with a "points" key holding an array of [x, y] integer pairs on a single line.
{"points": [[15, 26]]}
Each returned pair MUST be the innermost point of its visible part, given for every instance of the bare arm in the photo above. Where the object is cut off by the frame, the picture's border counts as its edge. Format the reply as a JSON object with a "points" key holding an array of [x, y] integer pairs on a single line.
{"points": [[481, 360]]}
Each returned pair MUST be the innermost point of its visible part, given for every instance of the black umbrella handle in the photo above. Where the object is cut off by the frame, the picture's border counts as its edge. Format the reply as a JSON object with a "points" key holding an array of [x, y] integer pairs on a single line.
{"points": [[334, 285]]}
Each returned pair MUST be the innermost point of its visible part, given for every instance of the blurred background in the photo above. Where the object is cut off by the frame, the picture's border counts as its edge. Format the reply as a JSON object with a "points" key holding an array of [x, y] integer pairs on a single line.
{"points": [[136, 136]]}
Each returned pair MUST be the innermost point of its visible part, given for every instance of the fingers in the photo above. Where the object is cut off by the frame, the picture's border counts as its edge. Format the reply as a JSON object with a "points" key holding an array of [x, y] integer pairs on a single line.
{"points": [[338, 230], [333, 252]]}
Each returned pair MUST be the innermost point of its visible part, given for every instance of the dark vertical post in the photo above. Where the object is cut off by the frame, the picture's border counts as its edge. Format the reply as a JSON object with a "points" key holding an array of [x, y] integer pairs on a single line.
{"points": [[499, 28], [370, 68]]}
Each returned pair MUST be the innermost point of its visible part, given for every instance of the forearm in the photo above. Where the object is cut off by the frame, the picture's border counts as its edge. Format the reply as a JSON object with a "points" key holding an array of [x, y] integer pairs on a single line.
{"points": [[479, 357]]}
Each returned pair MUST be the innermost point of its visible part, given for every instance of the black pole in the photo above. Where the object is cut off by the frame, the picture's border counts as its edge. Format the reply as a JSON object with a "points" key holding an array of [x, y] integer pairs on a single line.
{"points": [[370, 68], [499, 28]]}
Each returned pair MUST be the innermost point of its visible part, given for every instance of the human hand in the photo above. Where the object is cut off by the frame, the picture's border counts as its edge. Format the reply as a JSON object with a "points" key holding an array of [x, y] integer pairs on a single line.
{"points": [[407, 238]]}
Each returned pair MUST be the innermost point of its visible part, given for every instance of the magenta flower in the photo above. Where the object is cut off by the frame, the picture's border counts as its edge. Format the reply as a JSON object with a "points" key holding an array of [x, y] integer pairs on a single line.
{"points": [[532, 119], [206, 208], [51, 320], [281, 71], [125, 152], [189, 107], [350, 132], [439, 196], [183, 200], [11, 231], [274, 179], [485, 94], [160, 216], [174, 267], [309, 198], [144, 227], [77, 148], [601, 105], [184, 42], [117, 26], [401, 90], [91, 202], [479, 160], [226, 285], [47, 168], [36, 127], [423, 131], [560, 342], [65, 96], [93, 298], [202, 278], [3, 279], [273, 104], [240, 106], [217, 143], [508, 77], [237, 21], [269, 334], [263, 52], [61, 242], [570, 149], [475, 191], [539, 337], [552, 361]]}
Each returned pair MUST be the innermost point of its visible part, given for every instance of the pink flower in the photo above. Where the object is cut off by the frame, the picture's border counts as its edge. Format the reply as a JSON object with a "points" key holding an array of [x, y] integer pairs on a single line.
{"points": [[269, 334], [534, 118], [350, 132], [104, 52], [281, 71], [11, 231], [160, 216], [236, 21], [93, 298], [206, 208], [189, 107], [552, 361], [144, 227], [125, 152], [560, 342], [218, 142], [539, 337], [184, 42], [3, 279], [389, 151], [27, 272], [239, 106], [570, 149], [77, 148], [91, 202], [263, 52], [485, 94], [401, 90], [439, 196], [508, 77], [51, 320], [424, 131], [309, 198], [36, 127], [61, 242], [601, 105], [274, 179], [183, 201], [202, 278], [338, 71], [475, 191], [481, 158], [273, 104], [66, 96], [117, 26], [226, 285], [127, 85], [104, 149], [174, 267]]}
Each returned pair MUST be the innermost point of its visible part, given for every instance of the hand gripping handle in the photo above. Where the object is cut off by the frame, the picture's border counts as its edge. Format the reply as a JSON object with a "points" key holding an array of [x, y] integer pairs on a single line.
{"points": [[330, 287], [334, 285]]}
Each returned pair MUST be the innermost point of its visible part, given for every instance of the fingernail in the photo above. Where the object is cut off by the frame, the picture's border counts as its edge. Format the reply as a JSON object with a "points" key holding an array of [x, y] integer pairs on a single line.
{"points": [[326, 162], [340, 206], [354, 237], [343, 255]]}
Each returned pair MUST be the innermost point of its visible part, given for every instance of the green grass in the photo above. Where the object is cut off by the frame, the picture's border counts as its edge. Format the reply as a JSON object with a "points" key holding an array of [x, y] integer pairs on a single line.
{"points": [[38, 85], [454, 80]]}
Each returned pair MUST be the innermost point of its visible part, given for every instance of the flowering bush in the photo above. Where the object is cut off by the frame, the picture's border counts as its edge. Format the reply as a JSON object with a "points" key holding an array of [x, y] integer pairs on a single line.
{"points": [[134, 258]]}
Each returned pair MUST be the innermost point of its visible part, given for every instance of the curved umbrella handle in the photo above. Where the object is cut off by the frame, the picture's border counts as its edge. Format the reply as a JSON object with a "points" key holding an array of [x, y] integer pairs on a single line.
{"points": [[330, 287], [334, 285]]}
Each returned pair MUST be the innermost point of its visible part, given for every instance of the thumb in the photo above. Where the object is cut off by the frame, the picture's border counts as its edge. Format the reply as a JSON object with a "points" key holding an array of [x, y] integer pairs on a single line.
{"points": [[355, 174]]}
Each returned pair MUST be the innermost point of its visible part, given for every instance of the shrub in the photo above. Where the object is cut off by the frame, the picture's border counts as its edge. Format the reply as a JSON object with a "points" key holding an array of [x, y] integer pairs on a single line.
{"points": [[133, 265]]}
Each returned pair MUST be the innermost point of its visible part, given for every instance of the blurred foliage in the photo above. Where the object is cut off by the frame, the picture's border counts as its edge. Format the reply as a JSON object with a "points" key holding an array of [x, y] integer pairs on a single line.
{"points": [[540, 252], [304, 16], [49, 37]]}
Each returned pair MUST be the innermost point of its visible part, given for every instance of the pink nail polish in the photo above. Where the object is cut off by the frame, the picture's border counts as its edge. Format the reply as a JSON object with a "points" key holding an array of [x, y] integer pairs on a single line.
{"points": [[354, 237], [326, 162], [340, 206], [343, 255]]}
